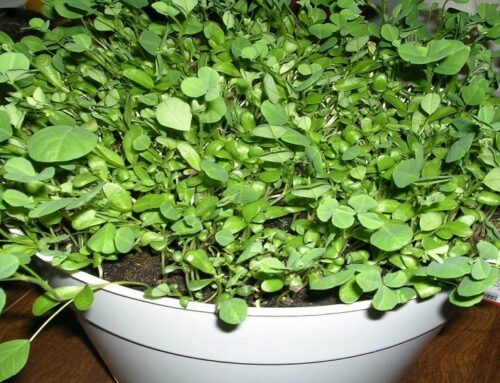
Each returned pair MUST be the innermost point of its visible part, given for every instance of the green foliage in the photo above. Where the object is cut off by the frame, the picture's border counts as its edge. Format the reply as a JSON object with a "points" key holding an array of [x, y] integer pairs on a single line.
{"points": [[13, 357], [258, 153]]}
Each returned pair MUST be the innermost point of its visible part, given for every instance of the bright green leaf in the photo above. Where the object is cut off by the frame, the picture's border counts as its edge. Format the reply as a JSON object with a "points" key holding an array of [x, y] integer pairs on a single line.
{"points": [[233, 311], [13, 357], [175, 114], [61, 143], [392, 236]]}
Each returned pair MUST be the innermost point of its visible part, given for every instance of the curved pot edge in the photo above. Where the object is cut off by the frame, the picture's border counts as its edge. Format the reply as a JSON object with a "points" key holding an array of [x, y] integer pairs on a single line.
{"points": [[86, 278]]}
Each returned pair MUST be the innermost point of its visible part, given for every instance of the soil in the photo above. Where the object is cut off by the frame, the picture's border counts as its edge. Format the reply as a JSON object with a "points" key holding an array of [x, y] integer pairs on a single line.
{"points": [[146, 268], [14, 22]]}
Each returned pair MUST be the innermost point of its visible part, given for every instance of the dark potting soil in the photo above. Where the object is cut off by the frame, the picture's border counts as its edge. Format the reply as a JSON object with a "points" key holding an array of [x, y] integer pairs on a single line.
{"points": [[146, 268], [14, 22]]}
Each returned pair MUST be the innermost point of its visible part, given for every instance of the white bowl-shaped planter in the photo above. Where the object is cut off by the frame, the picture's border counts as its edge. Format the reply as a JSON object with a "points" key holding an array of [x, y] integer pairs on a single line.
{"points": [[157, 341]]}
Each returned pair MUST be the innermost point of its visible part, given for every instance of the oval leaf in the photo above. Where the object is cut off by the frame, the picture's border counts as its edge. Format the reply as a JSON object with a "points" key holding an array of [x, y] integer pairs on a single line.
{"points": [[13, 357], [392, 236], [233, 311], [175, 114], [61, 143]]}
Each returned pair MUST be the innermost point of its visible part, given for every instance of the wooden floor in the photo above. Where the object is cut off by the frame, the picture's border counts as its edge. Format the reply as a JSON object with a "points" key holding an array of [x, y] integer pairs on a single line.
{"points": [[466, 351]]}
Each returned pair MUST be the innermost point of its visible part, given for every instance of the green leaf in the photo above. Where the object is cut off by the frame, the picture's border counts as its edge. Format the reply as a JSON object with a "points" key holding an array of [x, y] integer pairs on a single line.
{"points": [[466, 301], [469, 287], [343, 216], [43, 304], [186, 6], [233, 311], [141, 143], [430, 221], [118, 198], [406, 172], [5, 126], [279, 157], [322, 31], [362, 203], [13, 61], [84, 198], [175, 114], [492, 179], [475, 92], [103, 240], [190, 155], [389, 32], [252, 248], [150, 41], [211, 79], [487, 251], [159, 291], [356, 44], [452, 64], [370, 220], [81, 43], [84, 299], [3, 299], [193, 87], [331, 281], [169, 212], [269, 131], [224, 237], [405, 294], [274, 114], [199, 259], [149, 202], [325, 209], [480, 269], [50, 207], [417, 54], [8, 265], [124, 239], [313, 191], [385, 299], [242, 194], [460, 148], [450, 268], [61, 143], [430, 103], [395, 279], [216, 109], [460, 229], [13, 356], [272, 285], [350, 291], [139, 77], [271, 89], [16, 198], [137, 3], [21, 170], [271, 265], [214, 171], [369, 280], [200, 284], [392, 236]]}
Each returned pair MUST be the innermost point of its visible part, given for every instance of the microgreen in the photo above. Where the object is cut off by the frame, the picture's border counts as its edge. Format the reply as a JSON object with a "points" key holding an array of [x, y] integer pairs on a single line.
{"points": [[262, 152]]}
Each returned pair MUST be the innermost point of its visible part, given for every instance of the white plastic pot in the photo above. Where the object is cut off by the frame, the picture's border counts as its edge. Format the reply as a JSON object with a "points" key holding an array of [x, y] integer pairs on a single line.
{"points": [[144, 341]]}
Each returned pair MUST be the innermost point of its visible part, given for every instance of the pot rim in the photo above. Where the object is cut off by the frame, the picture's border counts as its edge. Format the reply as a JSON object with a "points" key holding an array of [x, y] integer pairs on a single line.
{"points": [[128, 292]]}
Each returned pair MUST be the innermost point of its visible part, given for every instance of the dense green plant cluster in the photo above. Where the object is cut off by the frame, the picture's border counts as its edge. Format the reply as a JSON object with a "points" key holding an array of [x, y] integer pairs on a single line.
{"points": [[258, 150]]}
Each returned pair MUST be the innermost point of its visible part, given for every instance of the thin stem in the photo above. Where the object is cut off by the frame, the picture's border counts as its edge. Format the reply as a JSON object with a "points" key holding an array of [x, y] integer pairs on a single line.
{"points": [[50, 318]]}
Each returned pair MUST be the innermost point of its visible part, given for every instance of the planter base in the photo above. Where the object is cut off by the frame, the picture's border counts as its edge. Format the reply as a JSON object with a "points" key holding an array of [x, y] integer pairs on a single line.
{"points": [[159, 341], [153, 366]]}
